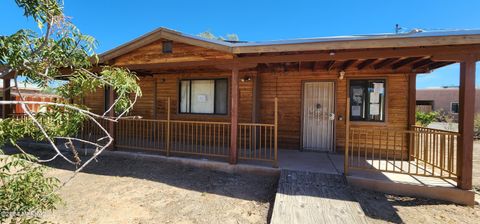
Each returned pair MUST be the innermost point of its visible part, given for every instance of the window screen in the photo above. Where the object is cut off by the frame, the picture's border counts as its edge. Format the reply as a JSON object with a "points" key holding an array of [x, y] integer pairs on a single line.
{"points": [[367, 100], [204, 96]]}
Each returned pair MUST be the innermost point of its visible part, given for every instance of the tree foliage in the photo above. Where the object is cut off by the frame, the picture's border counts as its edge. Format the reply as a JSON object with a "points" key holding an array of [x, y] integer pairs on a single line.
{"points": [[210, 35], [57, 50]]}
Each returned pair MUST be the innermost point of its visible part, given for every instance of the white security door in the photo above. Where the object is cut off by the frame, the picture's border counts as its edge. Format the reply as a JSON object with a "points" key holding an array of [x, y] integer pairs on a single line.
{"points": [[318, 116]]}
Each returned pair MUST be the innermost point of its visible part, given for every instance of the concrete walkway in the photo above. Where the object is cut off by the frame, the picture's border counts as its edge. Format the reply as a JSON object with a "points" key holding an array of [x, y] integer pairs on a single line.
{"points": [[312, 197]]}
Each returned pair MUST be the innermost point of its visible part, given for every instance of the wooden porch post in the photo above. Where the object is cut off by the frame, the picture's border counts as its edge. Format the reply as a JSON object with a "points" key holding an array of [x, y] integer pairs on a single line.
{"points": [[111, 113], [412, 99], [465, 123], [234, 115], [6, 109]]}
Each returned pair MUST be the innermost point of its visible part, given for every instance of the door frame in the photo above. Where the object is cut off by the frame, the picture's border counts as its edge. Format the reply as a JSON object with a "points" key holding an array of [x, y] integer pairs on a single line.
{"points": [[334, 136]]}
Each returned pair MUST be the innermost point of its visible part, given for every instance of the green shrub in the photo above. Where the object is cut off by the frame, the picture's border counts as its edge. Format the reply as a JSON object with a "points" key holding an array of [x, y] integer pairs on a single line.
{"points": [[424, 119], [25, 190]]}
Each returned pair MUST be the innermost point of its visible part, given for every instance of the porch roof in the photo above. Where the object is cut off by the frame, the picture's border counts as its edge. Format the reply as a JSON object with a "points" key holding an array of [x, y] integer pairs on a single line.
{"points": [[415, 38]]}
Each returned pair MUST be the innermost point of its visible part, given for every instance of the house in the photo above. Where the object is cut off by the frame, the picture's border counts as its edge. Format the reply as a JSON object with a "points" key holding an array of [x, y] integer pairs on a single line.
{"points": [[443, 99], [244, 100]]}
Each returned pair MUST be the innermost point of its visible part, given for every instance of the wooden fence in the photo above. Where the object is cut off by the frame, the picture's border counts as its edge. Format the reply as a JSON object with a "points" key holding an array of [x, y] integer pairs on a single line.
{"points": [[255, 141]]}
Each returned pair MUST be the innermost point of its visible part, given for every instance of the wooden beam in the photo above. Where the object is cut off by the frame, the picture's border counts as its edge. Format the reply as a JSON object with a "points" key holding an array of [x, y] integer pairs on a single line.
{"points": [[400, 42], [421, 64], [329, 65], [111, 125], [365, 63], [436, 65], [347, 64], [465, 124], [314, 66], [234, 116], [412, 103], [384, 63], [363, 54], [405, 61]]}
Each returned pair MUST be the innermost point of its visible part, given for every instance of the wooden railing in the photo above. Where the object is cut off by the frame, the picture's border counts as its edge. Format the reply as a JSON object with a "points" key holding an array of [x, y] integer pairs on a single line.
{"points": [[206, 138], [436, 150], [420, 151]]}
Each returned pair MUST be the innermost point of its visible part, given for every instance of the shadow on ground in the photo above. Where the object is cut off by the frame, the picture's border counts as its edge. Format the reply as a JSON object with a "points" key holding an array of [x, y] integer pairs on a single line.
{"points": [[242, 186]]}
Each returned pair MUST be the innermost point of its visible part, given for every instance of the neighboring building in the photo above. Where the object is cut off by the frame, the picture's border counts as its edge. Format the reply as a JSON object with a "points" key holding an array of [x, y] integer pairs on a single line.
{"points": [[444, 99], [30, 93]]}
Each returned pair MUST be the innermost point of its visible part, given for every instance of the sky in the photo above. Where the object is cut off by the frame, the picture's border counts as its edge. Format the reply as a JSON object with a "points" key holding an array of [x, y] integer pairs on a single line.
{"points": [[115, 22]]}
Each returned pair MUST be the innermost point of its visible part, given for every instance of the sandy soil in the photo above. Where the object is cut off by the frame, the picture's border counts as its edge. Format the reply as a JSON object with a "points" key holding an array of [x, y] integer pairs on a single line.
{"points": [[384, 208], [116, 190]]}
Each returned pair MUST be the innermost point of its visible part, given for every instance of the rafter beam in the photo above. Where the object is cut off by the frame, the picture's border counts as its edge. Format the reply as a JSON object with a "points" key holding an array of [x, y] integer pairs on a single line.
{"points": [[405, 61], [329, 65], [384, 63], [347, 64], [365, 63], [421, 64]]}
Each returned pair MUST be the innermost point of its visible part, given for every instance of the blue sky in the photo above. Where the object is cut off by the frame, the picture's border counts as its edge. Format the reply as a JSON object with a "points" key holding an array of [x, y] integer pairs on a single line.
{"points": [[115, 22]]}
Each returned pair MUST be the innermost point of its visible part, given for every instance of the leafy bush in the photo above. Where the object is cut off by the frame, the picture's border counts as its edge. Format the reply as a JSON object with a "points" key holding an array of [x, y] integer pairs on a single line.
{"points": [[25, 190], [424, 119]]}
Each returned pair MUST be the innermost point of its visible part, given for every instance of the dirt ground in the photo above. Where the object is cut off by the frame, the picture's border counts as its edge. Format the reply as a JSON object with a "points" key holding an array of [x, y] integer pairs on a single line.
{"points": [[117, 190], [384, 208]]}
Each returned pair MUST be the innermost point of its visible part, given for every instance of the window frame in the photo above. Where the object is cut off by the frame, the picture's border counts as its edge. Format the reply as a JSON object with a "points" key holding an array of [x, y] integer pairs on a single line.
{"points": [[451, 107], [170, 49], [369, 80], [179, 110]]}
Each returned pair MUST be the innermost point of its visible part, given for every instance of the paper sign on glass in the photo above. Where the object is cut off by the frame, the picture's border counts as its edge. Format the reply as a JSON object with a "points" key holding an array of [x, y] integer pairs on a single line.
{"points": [[374, 97], [374, 109], [202, 98], [356, 111], [377, 87]]}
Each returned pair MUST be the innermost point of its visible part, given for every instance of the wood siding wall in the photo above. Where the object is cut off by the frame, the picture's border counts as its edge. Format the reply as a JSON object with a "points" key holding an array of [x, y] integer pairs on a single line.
{"points": [[286, 86], [152, 53]]}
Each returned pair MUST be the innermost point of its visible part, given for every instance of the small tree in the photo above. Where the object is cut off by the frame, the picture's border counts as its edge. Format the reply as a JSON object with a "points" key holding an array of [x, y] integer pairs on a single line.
{"points": [[58, 51], [425, 118]]}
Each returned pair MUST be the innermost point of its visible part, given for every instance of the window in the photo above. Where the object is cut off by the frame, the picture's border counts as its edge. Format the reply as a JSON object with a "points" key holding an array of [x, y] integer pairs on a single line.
{"points": [[367, 100], [167, 47], [454, 107], [204, 96]]}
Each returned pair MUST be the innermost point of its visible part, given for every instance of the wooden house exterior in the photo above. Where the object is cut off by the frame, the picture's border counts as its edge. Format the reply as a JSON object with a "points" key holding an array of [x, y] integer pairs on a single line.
{"points": [[244, 100]]}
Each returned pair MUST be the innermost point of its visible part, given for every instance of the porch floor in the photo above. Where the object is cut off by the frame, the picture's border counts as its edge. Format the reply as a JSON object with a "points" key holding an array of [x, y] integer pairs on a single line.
{"points": [[332, 163]]}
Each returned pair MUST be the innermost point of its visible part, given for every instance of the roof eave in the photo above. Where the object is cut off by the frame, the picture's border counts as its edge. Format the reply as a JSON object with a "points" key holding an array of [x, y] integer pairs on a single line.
{"points": [[400, 42]]}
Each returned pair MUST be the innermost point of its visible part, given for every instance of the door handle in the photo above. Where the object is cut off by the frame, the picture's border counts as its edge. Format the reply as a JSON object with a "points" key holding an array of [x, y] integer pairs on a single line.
{"points": [[331, 116]]}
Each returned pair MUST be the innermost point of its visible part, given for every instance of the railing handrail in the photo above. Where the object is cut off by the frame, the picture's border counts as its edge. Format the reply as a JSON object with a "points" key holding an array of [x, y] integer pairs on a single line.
{"points": [[435, 129], [440, 132]]}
